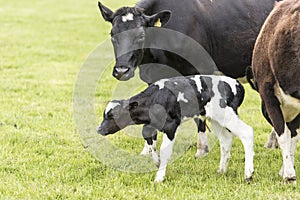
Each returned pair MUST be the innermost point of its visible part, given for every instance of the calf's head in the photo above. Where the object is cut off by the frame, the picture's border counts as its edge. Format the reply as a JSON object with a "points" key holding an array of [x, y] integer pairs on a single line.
{"points": [[116, 117], [128, 36]]}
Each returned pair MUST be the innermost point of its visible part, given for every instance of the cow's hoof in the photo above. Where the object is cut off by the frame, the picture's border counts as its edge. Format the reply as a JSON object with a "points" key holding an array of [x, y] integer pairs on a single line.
{"points": [[272, 142], [201, 153], [271, 145], [291, 180]]}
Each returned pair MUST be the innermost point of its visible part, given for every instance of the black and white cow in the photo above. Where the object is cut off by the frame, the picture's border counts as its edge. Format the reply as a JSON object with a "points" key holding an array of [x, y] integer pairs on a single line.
{"points": [[226, 29], [164, 104], [276, 70]]}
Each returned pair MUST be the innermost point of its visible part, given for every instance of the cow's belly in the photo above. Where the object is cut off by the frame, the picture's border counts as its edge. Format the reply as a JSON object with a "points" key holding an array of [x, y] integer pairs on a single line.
{"points": [[290, 106]]}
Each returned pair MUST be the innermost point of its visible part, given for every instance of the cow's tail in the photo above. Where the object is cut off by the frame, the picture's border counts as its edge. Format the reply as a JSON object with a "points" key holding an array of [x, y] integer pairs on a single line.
{"points": [[250, 78]]}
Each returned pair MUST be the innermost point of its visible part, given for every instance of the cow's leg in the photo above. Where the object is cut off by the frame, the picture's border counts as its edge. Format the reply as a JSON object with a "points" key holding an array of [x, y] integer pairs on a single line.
{"points": [[272, 142], [294, 127], [285, 143], [150, 134], [294, 142], [273, 109], [245, 133], [202, 142], [165, 155], [226, 139]]}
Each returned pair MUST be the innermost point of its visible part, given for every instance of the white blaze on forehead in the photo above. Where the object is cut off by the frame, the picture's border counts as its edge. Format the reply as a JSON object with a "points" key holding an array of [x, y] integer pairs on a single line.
{"points": [[198, 82], [180, 97], [128, 17], [111, 106], [161, 83]]}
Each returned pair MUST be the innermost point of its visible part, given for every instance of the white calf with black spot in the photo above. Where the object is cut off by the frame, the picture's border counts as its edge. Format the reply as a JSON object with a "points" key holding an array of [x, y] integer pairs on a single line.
{"points": [[179, 101]]}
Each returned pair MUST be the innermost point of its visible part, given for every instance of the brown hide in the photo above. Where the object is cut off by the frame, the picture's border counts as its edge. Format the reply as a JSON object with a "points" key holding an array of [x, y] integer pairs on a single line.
{"points": [[276, 58]]}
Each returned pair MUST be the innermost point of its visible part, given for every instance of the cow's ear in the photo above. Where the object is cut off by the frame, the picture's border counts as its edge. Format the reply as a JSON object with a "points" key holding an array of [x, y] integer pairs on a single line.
{"points": [[107, 14], [160, 19], [132, 105]]}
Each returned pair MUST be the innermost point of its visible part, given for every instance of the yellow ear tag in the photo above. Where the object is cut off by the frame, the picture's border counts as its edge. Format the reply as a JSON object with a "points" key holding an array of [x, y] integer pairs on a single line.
{"points": [[157, 23]]}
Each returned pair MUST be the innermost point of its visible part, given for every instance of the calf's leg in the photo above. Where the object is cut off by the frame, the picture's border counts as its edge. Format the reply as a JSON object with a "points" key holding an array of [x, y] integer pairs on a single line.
{"points": [[150, 135], [226, 139], [202, 142], [244, 132], [165, 155]]}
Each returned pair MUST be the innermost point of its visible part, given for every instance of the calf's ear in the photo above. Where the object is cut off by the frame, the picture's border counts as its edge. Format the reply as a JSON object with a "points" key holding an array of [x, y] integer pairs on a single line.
{"points": [[107, 14], [159, 19]]}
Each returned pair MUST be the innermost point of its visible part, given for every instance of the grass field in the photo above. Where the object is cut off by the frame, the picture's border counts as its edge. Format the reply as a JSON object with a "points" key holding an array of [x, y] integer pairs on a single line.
{"points": [[43, 45]]}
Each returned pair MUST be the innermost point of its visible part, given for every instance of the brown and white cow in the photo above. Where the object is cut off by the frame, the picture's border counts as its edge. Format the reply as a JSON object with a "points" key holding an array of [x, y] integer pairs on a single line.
{"points": [[276, 70]]}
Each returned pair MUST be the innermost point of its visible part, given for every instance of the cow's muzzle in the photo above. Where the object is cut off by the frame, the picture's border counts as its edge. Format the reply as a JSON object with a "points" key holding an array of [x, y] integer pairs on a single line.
{"points": [[123, 73]]}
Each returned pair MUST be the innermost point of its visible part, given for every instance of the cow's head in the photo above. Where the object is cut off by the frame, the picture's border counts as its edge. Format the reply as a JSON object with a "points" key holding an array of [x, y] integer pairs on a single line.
{"points": [[123, 20], [116, 117]]}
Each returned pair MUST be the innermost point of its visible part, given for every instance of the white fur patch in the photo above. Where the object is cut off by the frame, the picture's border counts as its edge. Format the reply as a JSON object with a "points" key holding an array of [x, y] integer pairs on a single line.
{"points": [[111, 106], [180, 97], [198, 82], [161, 83], [128, 17]]}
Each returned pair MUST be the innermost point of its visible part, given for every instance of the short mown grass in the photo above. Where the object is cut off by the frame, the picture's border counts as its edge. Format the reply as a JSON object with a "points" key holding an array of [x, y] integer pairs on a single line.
{"points": [[42, 47]]}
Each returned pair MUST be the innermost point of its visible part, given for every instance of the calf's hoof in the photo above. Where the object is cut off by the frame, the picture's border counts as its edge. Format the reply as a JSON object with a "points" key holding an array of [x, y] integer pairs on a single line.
{"points": [[158, 180], [249, 179], [222, 171], [291, 180], [145, 151]]}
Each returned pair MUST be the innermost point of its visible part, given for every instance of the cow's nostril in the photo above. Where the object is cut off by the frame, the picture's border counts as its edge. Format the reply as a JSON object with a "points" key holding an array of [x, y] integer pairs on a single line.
{"points": [[121, 70]]}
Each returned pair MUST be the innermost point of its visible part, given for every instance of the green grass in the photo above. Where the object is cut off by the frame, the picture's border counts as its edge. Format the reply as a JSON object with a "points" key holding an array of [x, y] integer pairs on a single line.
{"points": [[42, 47]]}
